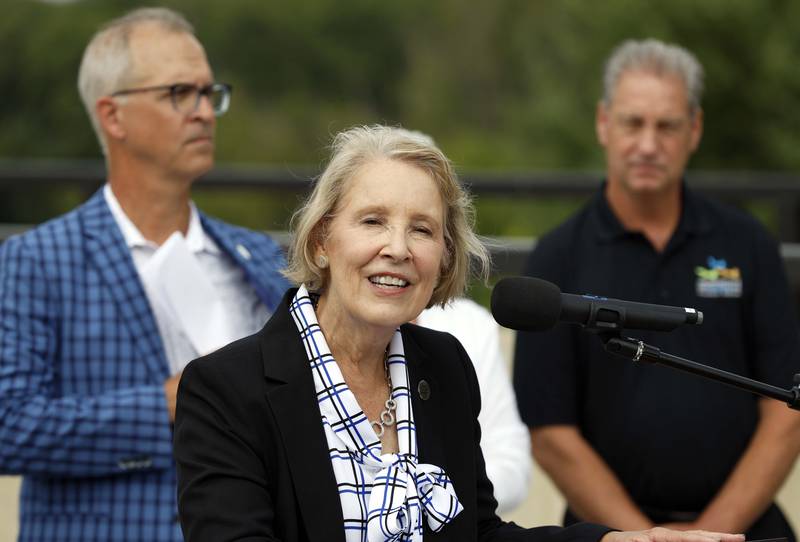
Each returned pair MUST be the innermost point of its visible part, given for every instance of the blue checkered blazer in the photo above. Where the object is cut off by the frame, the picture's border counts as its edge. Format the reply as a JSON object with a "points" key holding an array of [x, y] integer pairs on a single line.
{"points": [[82, 410]]}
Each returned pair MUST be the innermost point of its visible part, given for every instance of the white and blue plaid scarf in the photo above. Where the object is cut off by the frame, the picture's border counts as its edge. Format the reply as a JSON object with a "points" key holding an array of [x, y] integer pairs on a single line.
{"points": [[384, 497]]}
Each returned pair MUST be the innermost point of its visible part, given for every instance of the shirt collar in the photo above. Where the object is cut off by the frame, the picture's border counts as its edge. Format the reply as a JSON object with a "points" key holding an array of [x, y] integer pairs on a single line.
{"points": [[133, 237], [608, 227], [197, 239]]}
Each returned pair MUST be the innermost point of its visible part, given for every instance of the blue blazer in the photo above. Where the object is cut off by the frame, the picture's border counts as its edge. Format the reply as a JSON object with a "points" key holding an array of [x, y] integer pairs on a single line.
{"points": [[82, 409]]}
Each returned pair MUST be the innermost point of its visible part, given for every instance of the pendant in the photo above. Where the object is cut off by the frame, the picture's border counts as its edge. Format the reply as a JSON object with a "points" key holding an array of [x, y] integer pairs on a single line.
{"points": [[386, 418]]}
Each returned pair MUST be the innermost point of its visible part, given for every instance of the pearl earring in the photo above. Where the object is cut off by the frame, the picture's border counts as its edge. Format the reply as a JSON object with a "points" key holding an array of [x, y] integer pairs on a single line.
{"points": [[322, 261]]}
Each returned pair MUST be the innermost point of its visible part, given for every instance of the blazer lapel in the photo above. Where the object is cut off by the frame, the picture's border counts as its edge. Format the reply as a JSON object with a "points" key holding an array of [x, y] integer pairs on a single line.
{"points": [[293, 400], [106, 249], [428, 403], [439, 442], [262, 273]]}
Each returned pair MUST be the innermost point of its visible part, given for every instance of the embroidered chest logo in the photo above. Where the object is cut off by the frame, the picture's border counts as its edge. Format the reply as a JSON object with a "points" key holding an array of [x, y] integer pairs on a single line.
{"points": [[718, 280]]}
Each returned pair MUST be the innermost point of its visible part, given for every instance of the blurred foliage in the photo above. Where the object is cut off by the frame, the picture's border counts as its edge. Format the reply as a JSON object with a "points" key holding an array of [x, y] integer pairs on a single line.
{"points": [[500, 84]]}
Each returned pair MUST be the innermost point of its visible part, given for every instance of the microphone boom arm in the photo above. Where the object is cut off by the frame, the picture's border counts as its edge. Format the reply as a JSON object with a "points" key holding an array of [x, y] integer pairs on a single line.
{"points": [[637, 351]]}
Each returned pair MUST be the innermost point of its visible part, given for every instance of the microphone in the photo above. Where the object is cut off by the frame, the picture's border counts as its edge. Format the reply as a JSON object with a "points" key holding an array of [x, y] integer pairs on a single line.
{"points": [[529, 304]]}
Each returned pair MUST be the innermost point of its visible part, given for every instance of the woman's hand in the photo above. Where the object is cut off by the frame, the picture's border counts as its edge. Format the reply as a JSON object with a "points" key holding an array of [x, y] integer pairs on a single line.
{"points": [[677, 526], [660, 534]]}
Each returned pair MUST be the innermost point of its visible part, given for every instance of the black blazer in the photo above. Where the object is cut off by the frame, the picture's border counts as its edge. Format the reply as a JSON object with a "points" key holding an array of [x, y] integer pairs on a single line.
{"points": [[253, 461]]}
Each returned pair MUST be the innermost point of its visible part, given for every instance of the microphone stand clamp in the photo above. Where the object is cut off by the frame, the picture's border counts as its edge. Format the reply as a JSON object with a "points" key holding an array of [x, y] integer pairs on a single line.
{"points": [[639, 351]]}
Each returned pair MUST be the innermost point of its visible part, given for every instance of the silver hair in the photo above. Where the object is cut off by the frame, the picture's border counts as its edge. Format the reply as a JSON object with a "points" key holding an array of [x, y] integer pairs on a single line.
{"points": [[656, 57], [107, 67]]}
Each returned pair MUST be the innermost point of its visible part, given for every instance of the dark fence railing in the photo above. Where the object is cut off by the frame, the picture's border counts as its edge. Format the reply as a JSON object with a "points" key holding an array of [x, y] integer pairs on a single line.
{"points": [[779, 190]]}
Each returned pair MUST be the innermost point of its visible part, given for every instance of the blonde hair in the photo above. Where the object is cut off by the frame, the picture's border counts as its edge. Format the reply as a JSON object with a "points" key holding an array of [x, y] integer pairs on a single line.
{"points": [[465, 254], [107, 67]]}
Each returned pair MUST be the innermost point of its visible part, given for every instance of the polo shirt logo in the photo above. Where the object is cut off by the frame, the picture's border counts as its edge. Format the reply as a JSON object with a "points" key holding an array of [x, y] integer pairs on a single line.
{"points": [[718, 280]]}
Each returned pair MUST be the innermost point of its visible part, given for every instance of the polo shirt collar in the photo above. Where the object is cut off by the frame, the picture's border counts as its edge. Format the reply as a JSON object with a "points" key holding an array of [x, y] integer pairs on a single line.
{"points": [[608, 227]]}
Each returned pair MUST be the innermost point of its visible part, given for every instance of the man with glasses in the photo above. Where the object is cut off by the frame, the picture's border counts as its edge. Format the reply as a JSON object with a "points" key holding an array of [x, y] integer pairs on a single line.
{"points": [[101, 309]]}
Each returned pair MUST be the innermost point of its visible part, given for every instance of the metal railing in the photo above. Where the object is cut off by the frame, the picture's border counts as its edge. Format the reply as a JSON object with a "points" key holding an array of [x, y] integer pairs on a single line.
{"points": [[779, 190]]}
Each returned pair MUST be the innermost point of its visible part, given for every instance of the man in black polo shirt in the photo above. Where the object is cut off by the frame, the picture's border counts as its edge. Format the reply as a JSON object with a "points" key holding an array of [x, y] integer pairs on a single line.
{"points": [[632, 446]]}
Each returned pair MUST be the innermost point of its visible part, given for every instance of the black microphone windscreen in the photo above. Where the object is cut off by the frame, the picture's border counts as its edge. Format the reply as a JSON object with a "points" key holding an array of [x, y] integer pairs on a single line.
{"points": [[526, 304]]}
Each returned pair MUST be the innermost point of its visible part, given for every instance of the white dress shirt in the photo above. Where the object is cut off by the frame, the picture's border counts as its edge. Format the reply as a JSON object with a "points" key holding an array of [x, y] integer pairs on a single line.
{"points": [[505, 440], [200, 298]]}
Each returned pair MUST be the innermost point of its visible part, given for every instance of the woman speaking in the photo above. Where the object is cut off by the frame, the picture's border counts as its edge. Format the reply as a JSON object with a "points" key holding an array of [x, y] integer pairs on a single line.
{"points": [[339, 421]]}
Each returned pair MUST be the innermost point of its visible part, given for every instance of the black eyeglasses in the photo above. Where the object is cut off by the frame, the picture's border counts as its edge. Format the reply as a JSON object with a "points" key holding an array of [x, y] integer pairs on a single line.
{"points": [[186, 96]]}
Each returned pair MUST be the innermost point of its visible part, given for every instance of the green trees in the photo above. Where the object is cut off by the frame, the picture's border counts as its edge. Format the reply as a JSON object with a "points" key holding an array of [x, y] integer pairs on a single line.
{"points": [[503, 84]]}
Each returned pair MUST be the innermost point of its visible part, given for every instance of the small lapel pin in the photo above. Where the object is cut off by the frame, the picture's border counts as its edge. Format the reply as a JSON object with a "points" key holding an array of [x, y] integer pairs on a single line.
{"points": [[424, 390], [243, 252]]}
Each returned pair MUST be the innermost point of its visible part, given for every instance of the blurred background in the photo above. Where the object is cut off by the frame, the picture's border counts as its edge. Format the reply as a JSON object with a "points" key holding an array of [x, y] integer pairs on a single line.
{"points": [[504, 86], [507, 88]]}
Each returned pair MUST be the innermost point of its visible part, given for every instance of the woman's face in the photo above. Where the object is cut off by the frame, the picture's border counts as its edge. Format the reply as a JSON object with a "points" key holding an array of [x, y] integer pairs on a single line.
{"points": [[385, 246]]}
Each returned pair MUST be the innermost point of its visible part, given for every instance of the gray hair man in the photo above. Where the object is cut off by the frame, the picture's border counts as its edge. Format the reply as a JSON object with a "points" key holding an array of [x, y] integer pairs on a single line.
{"points": [[631, 446]]}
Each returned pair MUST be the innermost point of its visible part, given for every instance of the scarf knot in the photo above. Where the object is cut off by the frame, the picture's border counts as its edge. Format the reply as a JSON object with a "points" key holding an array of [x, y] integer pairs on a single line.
{"points": [[389, 515]]}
